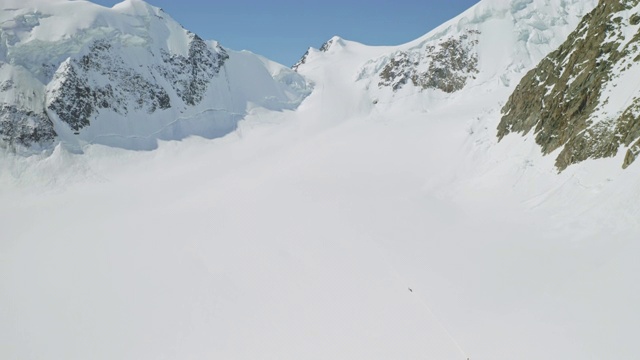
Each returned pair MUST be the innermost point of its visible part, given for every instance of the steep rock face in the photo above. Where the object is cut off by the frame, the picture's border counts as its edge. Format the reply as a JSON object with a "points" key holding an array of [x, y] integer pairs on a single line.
{"points": [[85, 84], [126, 76], [445, 66], [583, 98], [24, 123], [191, 74]]}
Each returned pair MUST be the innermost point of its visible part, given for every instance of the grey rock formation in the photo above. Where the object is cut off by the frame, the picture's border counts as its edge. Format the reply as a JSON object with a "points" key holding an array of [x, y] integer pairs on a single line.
{"points": [[449, 65], [191, 75], [22, 127], [323, 48], [80, 97], [563, 100]]}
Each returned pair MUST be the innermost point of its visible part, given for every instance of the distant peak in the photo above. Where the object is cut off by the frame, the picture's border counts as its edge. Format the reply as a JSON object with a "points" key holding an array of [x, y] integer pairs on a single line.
{"points": [[133, 2], [336, 40], [333, 43], [136, 6]]}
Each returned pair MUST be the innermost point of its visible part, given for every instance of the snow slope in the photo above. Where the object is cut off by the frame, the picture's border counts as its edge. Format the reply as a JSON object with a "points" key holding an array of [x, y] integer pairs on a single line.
{"points": [[349, 228]]}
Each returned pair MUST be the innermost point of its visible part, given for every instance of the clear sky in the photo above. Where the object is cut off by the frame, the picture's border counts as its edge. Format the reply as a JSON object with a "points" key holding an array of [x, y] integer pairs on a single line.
{"points": [[282, 30]]}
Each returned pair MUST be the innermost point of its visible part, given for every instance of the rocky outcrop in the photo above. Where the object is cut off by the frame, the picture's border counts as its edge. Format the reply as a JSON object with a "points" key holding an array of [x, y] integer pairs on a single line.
{"points": [[81, 91], [24, 123], [446, 66], [190, 75], [323, 48], [577, 98], [302, 61], [24, 128]]}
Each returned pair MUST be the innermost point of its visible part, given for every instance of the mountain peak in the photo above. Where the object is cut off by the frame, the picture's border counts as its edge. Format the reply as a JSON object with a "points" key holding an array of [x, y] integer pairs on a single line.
{"points": [[126, 76], [137, 7], [329, 46], [334, 43]]}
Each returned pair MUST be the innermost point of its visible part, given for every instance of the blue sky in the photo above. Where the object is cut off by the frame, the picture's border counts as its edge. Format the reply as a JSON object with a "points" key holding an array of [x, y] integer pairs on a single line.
{"points": [[282, 30]]}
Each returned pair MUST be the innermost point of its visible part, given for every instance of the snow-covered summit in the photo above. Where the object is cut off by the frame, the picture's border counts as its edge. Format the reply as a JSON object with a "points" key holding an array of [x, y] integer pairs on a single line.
{"points": [[494, 41], [65, 21], [77, 72], [334, 44], [491, 44]]}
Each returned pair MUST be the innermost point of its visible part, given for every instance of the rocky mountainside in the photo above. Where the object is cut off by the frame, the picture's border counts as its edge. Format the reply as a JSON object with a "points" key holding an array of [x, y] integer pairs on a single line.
{"points": [[490, 44], [77, 72], [583, 99], [447, 65]]}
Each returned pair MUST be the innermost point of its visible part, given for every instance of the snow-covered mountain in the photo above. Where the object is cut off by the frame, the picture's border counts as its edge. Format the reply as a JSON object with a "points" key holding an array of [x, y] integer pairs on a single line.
{"points": [[584, 99], [381, 218], [487, 47], [76, 72]]}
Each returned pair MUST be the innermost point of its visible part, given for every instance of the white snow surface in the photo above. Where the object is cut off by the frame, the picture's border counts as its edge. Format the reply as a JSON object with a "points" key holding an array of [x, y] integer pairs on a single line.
{"points": [[342, 229]]}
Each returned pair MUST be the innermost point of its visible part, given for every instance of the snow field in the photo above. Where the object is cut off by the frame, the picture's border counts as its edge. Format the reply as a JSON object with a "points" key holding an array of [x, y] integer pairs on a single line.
{"points": [[299, 235]]}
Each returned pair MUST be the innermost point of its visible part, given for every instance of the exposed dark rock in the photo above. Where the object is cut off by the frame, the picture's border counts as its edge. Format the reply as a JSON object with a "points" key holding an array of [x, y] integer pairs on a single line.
{"points": [[191, 75], [117, 76], [302, 61], [6, 85], [24, 127], [324, 48], [560, 98], [79, 97], [73, 101], [450, 65]]}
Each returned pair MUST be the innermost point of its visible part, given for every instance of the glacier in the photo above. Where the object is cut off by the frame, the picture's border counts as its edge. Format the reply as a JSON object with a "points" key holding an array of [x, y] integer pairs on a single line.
{"points": [[354, 221]]}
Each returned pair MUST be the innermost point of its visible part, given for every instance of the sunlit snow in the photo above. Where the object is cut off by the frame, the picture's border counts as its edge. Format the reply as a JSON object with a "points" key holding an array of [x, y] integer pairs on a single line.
{"points": [[364, 224]]}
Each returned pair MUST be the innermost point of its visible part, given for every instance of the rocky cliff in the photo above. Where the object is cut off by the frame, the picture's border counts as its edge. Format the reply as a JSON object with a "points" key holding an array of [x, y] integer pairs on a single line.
{"points": [[446, 65], [583, 99]]}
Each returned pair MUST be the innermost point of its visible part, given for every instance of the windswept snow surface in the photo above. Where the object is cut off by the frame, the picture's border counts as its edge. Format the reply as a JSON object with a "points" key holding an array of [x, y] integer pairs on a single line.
{"points": [[299, 235]]}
